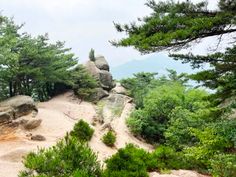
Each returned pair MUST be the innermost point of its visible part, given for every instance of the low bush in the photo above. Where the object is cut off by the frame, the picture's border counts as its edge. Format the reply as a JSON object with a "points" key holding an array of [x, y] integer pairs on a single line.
{"points": [[69, 157], [128, 162], [109, 138], [166, 158], [82, 131], [223, 165], [84, 84]]}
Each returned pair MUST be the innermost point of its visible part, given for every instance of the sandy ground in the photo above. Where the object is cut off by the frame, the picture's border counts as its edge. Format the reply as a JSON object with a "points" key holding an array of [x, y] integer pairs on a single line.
{"points": [[59, 116]]}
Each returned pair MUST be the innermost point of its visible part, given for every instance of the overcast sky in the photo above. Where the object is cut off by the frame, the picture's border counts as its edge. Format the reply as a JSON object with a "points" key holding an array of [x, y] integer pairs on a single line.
{"points": [[82, 24]]}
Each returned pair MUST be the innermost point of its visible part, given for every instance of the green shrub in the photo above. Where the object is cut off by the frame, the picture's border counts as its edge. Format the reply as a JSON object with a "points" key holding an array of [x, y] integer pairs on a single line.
{"points": [[92, 55], [109, 138], [223, 165], [129, 161], [82, 131], [138, 86], [69, 157], [84, 85], [151, 121], [167, 158]]}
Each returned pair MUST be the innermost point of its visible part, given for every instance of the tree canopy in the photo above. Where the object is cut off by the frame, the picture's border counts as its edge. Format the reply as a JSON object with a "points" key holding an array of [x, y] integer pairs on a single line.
{"points": [[176, 25], [33, 66]]}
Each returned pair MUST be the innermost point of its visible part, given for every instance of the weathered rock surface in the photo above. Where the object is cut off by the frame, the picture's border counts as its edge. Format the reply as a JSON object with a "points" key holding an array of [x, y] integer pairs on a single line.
{"points": [[16, 107], [99, 94], [99, 69], [119, 89], [32, 124], [112, 106], [101, 63], [106, 80], [6, 114], [92, 69]]}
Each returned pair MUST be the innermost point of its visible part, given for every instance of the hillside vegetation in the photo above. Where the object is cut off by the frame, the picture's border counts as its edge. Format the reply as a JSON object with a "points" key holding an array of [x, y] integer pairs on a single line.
{"points": [[35, 67], [187, 127]]}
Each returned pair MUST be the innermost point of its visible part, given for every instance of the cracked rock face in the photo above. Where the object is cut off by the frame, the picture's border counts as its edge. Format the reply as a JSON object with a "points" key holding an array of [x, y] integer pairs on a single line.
{"points": [[16, 107]]}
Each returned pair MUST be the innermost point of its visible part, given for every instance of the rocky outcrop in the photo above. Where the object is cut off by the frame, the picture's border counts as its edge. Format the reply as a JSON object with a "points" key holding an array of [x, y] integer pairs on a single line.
{"points": [[99, 69], [101, 63], [16, 107], [99, 94], [105, 79], [92, 69], [111, 107]]}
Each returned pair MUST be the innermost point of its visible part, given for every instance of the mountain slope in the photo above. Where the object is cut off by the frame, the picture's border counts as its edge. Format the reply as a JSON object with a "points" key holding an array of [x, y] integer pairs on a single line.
{"points": [[153, 63]]}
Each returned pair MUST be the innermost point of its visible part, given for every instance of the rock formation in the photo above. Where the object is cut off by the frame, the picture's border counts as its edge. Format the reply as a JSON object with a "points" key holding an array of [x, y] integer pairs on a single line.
{"points": [[99, 69], [16, 107]]}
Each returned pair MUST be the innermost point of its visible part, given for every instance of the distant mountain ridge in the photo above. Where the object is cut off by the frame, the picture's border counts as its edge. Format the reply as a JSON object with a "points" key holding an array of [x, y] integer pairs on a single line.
{"points": [[153, 63]]}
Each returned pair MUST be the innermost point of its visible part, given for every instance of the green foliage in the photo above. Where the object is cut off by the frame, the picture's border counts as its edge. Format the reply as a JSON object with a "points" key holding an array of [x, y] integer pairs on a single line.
{"points": [[128, 162], [221, 76], [109, 138], [139, 85], [160, 105], [192, 130], [223, 165], [33, 66], [83, 83], [173, 25], [177, 25], [92, 55], [82, 131], [69, 157], [166, 158]]}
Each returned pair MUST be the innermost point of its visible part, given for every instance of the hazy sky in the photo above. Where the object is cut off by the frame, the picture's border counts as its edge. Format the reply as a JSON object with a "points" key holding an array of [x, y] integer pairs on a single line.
{"points": [[83, 24]]}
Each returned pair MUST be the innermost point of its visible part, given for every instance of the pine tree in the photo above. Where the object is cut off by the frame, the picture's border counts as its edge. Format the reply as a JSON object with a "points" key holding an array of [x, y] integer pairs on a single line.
{"points": [[177, 25], [92, 55], [31, 65]]}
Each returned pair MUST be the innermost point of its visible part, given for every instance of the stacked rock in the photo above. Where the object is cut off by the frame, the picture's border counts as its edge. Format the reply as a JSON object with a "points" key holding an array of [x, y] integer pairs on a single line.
{"points": [[99, 69]]}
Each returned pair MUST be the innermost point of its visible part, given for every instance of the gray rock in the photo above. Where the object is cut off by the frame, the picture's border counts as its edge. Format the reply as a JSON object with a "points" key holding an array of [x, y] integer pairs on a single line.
{"points": [[99, 69], [37, 138], [92, 69], [18, 106], [106, 80], [32, 124], [101, 63], [6, 114], [112, 107], [99, 94], [119, 89]]}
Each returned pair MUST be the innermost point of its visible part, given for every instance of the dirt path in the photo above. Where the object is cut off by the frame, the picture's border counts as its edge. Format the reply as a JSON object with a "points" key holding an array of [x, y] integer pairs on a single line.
{"points": [[59, 116]]}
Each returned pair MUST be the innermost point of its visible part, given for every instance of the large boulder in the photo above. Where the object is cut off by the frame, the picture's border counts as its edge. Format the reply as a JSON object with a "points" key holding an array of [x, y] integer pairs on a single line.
{"points": [[106, 80], [92, 69], [101, 63], [99, 94], [16, 107], [112, 107], [119, 89], [99, 69]]}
